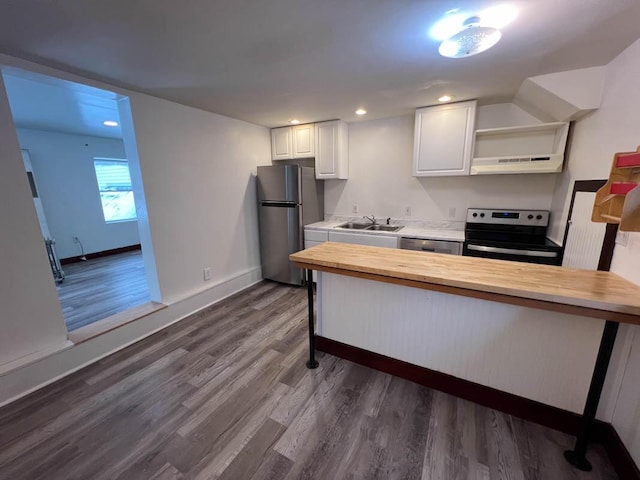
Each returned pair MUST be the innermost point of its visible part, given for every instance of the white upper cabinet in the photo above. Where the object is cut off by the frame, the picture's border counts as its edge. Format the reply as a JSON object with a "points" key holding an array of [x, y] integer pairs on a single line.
{"points": [[443, 142], [304, 145], [281, 143], [332, 150]]}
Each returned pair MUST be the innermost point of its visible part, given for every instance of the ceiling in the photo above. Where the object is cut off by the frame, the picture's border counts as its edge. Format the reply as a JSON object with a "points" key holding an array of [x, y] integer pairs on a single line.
{"points": [[47, 103], [267, 62]]}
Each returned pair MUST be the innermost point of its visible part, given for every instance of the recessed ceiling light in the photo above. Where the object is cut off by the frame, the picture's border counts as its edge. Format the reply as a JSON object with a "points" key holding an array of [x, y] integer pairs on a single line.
{"points": [[445, 98], [361, 111], [110, 123], [294, 122]]}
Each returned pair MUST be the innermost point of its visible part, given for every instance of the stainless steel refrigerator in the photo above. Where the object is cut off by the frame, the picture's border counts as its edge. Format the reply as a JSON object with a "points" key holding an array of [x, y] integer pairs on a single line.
{"points": [[289, 197]]}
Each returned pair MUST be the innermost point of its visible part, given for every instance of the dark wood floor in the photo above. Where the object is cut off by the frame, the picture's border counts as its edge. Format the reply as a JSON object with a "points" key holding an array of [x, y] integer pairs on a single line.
{"points": [[225, 394], [100, 287]]}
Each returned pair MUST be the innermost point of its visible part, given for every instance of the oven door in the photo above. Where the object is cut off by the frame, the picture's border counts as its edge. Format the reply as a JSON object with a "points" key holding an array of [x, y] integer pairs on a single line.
{"points": [[547, 257]]}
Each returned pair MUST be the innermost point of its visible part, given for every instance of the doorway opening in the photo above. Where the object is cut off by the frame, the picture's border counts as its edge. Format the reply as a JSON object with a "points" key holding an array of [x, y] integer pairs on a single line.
{"points": [[87, 190]]}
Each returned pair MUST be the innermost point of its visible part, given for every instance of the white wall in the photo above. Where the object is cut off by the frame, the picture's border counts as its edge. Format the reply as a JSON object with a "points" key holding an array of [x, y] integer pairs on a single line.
{"points": [[201, 207], [198, 172], [31, 318], [63, 168], [380, 181], [610, 129]]}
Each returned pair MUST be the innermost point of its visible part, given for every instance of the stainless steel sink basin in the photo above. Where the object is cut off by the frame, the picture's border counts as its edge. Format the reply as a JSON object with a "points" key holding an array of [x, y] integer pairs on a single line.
{"points": [[385, 228], [368, 226], [354, 226]]}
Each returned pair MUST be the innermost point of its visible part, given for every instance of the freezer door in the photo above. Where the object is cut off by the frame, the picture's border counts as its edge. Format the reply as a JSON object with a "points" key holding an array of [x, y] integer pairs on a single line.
{"points": [[279, 183], [280, 236]]}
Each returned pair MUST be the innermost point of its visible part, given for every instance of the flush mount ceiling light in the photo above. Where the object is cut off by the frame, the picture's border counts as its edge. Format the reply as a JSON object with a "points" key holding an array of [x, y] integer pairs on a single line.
{"points": [[464, 34], [445, 98], [361, 111], [474, 39], [110, 123], [294, 122]]}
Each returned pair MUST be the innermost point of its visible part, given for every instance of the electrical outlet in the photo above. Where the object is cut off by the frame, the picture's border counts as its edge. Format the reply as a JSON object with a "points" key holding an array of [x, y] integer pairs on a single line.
{"points": [[622, 238], [452, 212], [354, 208], [407, 211], [207, 273]]}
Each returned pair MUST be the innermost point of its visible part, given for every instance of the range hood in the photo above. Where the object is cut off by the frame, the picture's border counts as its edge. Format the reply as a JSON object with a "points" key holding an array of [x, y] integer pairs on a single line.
{"points": [[527, 149]]}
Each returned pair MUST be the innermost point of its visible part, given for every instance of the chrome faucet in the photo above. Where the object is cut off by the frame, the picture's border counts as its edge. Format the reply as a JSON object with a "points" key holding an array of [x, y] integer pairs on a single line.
{"points": [[372, 219]]}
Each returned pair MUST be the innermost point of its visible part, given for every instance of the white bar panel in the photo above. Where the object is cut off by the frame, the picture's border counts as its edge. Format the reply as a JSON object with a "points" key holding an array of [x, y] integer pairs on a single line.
{"points": [[544, 356]]}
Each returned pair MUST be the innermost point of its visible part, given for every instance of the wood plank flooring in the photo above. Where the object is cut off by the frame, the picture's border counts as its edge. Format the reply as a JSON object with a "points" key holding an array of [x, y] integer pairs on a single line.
{"points": [[100, 287], [225, 394]]}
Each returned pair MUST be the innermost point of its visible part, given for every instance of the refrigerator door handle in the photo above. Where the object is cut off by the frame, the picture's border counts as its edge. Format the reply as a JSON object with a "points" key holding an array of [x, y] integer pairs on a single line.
{"points": [[274, 203]]}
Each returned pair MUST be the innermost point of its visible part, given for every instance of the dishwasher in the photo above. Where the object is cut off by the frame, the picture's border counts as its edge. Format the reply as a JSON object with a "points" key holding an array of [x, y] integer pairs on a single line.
{"points": [[436, 246]]}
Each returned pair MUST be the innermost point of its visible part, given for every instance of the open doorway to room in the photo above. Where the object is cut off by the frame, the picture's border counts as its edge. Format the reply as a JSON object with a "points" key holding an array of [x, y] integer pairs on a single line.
{"points": [[74, 155]]}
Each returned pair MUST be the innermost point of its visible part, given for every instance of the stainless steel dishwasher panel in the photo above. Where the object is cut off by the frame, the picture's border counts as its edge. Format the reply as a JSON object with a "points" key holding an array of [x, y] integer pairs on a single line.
{"points": [[436, 246]]}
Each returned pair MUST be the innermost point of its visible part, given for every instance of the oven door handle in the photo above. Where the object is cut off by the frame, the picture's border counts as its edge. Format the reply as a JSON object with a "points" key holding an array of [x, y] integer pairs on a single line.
{"points": [[512, 251]]}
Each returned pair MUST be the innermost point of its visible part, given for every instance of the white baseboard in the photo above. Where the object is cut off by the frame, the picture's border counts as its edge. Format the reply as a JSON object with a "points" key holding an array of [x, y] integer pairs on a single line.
{"points": [[45, 370]]}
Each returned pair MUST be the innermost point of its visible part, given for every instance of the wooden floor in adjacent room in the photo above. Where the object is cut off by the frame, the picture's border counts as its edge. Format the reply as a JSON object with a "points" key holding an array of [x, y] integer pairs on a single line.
{"points": [[225, 394], [97, 288]]}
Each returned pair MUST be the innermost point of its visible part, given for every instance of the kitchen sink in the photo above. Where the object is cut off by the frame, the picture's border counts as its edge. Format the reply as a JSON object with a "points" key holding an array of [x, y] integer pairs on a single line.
{"points": [[368, 226], [354, 226], [385, 228]]}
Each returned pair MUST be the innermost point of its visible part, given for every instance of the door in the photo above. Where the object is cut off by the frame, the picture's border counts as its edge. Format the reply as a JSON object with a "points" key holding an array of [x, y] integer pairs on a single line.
{"points": [[444, 139], [281, 145], [279, 183], [280, 236], [303, 141]]}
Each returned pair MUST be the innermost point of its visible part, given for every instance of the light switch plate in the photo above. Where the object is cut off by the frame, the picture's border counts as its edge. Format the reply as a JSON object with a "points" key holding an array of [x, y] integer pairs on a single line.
{"points": [[207, 273]]}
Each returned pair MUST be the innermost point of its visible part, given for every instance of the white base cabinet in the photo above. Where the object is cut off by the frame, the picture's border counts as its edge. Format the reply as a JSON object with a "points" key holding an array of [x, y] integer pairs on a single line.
{"points": [[443, 141]]}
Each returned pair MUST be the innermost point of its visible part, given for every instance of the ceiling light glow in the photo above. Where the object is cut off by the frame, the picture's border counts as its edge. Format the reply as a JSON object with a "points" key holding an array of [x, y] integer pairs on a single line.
{"points": [[294, 122], [361, 111], [499, 16], [110, 123], [445, 98], [447, 26]]}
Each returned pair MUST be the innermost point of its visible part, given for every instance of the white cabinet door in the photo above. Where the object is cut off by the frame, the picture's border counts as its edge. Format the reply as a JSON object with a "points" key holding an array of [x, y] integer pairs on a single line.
{"points": [[332, 150], [281, 143], [363, 239], [443, 142], [303, 141]]}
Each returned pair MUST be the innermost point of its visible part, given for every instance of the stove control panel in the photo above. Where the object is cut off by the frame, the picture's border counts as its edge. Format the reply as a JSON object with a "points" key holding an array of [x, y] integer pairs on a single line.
{"points": [[508, 217]]}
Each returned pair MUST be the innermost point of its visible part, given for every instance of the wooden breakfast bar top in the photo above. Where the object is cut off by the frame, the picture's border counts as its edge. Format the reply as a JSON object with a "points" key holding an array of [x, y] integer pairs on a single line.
{"points": [[595, 294]]}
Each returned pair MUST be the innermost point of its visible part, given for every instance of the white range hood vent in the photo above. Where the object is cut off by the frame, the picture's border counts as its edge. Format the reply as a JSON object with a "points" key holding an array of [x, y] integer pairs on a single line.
{"points": [[527, 149]]}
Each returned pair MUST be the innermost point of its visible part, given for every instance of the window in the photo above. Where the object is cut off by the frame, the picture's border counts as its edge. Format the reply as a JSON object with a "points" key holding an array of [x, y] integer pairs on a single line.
{"points": [[116, 194]]}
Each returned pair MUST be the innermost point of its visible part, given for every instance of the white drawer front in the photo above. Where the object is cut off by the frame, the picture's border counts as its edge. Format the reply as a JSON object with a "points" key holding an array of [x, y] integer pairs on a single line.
{"points": [[316, 235]]}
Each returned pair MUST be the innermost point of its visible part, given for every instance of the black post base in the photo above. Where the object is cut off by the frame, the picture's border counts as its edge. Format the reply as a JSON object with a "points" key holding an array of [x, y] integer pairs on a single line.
{"points": [[311, 365], [581, 463]]}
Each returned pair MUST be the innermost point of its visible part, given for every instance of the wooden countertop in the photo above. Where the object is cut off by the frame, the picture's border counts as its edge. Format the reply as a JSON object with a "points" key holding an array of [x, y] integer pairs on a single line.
{"points": [[603, 295]]}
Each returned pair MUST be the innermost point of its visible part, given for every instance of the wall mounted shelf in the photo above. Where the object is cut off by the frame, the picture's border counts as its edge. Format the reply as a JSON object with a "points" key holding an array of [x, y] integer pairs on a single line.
{"points": [[618, 201]]}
